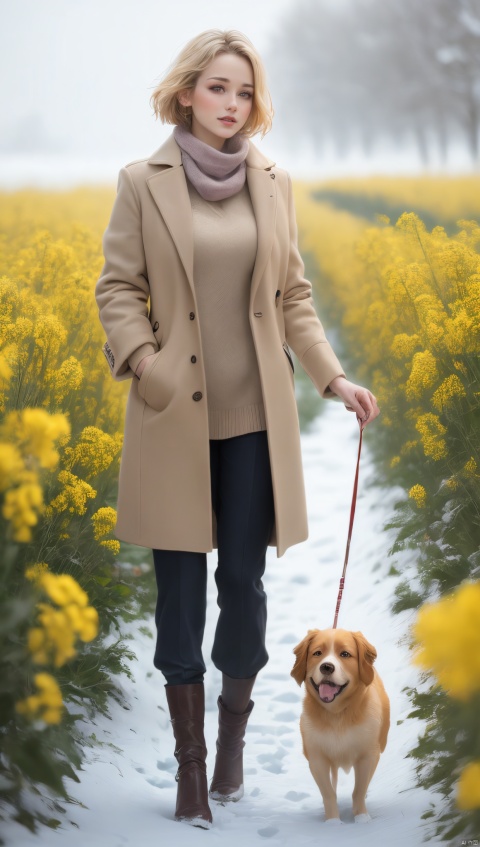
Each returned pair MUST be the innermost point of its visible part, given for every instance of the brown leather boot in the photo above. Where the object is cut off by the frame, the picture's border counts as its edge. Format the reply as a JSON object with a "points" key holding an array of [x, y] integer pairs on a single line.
{"points": [[227, 782], [186, 704]]}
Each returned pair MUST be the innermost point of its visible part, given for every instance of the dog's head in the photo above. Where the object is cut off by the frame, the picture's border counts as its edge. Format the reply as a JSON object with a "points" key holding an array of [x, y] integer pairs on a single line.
{"points": [[333, 663]]}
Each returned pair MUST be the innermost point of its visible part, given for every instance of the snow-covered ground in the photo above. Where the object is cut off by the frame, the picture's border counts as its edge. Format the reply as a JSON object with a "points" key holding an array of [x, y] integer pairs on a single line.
{"points": [[61, 171], [128, 796]]}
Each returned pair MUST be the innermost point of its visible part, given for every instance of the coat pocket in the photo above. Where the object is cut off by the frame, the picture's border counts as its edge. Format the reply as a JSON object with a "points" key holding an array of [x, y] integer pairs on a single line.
{"points": [[154, 386]]}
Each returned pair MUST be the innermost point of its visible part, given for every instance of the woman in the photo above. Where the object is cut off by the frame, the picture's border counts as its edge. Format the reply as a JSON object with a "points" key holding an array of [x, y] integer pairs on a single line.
{"points": [[206, 229]]}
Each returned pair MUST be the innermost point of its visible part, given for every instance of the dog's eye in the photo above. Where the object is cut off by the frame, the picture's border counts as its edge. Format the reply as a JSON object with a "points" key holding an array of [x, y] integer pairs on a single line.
{"points": [[345, 655], [317, 653]]}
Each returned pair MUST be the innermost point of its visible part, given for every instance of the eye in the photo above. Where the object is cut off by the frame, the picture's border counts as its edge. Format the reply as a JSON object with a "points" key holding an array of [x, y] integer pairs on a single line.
{"points": [[214, 87], [249, 95], [345, 655], [317, 653]]}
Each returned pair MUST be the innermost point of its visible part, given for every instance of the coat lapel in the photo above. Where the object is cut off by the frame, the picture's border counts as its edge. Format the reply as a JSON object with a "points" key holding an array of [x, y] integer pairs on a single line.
{"points": [[170, 193], [264, 201]]}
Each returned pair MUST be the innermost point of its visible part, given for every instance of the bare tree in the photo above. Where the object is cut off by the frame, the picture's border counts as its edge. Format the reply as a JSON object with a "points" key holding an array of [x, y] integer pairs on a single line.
{"points": [[373, 70]]}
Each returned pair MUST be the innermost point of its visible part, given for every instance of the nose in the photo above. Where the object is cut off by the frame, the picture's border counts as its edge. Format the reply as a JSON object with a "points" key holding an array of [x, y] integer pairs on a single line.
{"points": [[327, 668]]}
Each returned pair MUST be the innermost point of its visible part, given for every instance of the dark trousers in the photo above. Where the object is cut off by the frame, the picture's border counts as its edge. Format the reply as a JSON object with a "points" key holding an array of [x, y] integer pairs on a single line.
{"points": [[242, 499]]}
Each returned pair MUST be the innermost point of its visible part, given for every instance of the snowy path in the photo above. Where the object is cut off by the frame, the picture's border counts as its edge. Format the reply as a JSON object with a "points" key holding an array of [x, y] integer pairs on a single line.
{"points": [[130, 796]]}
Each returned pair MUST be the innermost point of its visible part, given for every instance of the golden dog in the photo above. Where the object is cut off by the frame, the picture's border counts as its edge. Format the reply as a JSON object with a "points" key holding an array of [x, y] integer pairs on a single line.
{"points": [[346, 713]]}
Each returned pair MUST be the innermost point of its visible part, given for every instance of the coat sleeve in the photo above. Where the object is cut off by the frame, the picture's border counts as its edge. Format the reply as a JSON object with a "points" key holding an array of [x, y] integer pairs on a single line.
{"points": [[122, 290], [304, 332]]}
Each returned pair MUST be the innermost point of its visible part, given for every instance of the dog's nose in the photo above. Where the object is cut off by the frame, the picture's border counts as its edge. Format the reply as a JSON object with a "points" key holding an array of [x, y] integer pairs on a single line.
{"points": [[327, 668]]}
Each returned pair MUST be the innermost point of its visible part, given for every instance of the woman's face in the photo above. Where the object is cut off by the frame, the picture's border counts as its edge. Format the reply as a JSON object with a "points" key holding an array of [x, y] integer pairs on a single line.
{"points": [[223, 89]]}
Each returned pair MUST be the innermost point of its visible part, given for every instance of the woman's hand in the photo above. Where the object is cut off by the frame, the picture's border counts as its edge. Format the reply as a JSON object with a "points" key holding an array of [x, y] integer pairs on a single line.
{"points": [[356, 399], [142, 363]]}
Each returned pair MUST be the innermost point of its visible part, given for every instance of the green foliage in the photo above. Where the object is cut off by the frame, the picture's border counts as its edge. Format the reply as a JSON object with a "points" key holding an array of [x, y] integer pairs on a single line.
{"points": [[451, 740]]}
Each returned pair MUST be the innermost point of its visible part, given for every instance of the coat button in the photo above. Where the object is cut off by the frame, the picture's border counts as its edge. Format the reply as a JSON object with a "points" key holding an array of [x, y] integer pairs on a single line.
{"points": [[192, 316], [193, 359], [155, 326], [198, 395], [258, 314]]}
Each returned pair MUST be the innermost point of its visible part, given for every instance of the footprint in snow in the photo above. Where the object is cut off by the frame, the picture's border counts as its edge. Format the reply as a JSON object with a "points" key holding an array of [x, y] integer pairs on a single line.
{"points": [[286, 716], [267, 831], [272, 762], [160, 783], [296, 796], [287, 697], [288, 638], [169, 765]]}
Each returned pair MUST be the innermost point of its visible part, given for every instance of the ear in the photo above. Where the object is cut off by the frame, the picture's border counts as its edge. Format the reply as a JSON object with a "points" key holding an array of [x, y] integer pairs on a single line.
{"points": [[366, 657], [183, 97], [299, 670]]}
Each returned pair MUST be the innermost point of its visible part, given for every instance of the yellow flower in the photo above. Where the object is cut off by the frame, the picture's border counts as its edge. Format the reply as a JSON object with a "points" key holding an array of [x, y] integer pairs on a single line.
{"points": [[94, 451], [37, 645], [403, 345], [35, 432], [84, 621], [103, 521], [47, 704], [448, 391], [407, 447], [423, 375], [418, 493], [60, 637], [5, 370], [470, 468], [459, 366], [447, 633], [50, 334], [36, 571], [452, 483], [54, 639], [11, 465], [63, 589], [68, 377], [468, 787], [111, 544], [431, 431], [394, 461], [73, 497], [21, 506]]}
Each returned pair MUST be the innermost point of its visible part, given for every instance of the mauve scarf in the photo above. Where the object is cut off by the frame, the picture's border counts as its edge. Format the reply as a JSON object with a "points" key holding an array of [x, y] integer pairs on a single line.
{"points": [[215, 174]]}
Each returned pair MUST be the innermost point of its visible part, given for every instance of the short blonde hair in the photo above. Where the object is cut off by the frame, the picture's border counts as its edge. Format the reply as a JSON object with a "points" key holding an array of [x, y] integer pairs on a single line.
{"points": [[189, 64]]}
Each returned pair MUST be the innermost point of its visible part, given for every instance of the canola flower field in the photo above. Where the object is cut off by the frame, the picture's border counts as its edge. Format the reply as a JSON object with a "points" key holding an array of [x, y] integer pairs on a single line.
{"points": [[405, 300], [404, 297], [60, 440]]}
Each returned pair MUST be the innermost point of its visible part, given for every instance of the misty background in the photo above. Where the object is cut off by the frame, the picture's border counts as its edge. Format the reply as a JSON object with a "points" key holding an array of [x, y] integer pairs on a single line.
{"points": [[358, 86]]}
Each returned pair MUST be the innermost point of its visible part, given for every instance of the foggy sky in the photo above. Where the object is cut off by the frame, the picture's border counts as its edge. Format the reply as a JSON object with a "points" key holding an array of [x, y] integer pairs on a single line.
{"points": [[77, 74]]}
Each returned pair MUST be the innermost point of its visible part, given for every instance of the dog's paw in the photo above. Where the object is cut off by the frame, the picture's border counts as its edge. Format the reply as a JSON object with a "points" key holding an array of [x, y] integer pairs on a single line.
{"points": [[334, 821], [362, 818]]}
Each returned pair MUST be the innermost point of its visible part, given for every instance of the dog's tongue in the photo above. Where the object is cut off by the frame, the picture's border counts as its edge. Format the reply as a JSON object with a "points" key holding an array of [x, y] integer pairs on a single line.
{"points": [[327, 692]]}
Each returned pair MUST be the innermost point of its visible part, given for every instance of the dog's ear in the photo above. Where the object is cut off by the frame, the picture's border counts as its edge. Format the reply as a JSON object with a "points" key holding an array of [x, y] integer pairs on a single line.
{"points": [[366, 657], [299, 670]]}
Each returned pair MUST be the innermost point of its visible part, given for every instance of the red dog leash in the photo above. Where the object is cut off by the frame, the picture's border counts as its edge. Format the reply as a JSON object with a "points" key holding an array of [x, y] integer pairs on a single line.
{"points": [[352, 515]]}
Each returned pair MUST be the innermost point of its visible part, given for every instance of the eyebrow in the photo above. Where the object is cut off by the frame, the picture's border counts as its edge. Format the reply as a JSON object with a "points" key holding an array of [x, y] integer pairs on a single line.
{"points": [[224, 79]]}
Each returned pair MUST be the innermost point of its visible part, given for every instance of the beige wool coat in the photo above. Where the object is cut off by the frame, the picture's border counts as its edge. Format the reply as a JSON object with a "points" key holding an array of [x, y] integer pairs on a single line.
{"points": [[147, 303]]}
